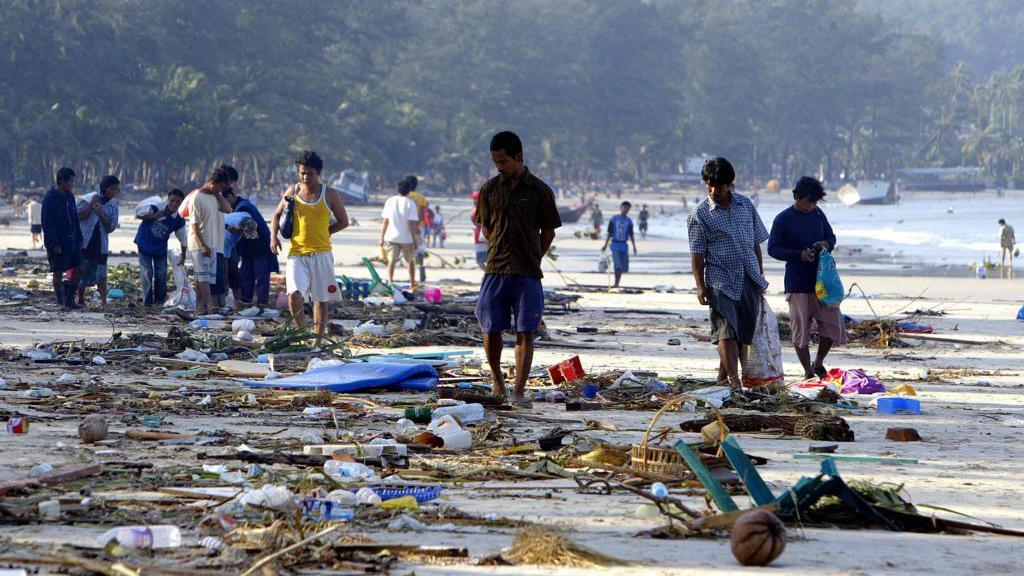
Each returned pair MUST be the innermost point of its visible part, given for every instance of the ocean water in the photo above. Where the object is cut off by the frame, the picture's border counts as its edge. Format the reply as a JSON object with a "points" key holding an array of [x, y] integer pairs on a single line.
{"points": [[938, 229]]}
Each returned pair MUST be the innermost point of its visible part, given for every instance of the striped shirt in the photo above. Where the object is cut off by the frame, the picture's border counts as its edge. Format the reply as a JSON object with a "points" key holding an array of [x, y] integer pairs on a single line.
{"points": [[727, 237]]}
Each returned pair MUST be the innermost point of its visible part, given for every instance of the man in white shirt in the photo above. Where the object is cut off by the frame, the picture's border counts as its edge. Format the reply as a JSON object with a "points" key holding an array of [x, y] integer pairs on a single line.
{"points": [[399, 229], [35, 220]]}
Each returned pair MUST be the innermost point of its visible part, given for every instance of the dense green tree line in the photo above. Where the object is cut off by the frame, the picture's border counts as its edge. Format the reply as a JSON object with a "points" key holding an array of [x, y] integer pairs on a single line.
{"points": [[160, 91]]}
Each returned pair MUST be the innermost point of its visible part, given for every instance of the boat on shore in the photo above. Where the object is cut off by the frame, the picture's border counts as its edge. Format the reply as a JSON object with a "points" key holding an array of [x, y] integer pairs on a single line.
{"points": [[573, 214], [869, 192]]}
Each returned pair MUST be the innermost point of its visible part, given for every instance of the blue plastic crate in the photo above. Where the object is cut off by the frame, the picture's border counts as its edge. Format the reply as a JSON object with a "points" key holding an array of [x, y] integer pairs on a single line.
{"points": [[898, 404], [420, 493]]}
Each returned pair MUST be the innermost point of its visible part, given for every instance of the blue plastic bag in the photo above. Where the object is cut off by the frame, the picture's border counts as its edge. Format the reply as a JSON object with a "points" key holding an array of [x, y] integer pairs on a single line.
{"points": [[829, 288], [1020, 315]]}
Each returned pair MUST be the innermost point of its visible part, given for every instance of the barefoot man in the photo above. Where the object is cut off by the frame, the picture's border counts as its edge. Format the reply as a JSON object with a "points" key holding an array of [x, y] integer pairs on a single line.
{"points": [[725, 246], [310, 271], [517, 215]]}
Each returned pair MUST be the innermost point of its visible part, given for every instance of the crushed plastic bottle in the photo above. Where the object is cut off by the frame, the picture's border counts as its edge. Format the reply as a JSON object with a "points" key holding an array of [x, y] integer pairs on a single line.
{"points": [[348, 471], [269, 496], [466, 413], [164, 536]]}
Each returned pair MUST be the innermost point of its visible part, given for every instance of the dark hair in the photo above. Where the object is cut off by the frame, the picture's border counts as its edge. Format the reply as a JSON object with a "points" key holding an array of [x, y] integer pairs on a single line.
{"points": [[718, 171], [310, 159], [625, 204], [1002, 221], [230, 191], [232, 173], [108, 181], [176, 192], [413, 182], [404, 186], [65, 174], [220, 175], [808, 188], [508, 142]]}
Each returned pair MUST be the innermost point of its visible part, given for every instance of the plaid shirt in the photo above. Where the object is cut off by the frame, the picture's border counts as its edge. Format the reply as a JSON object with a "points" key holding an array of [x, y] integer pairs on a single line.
{"points": [[727, 237]]}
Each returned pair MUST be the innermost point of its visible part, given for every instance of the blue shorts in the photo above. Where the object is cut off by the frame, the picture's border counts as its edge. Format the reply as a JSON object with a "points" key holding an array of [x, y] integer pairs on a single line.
{"points": [[620, 257], [503, 296]]}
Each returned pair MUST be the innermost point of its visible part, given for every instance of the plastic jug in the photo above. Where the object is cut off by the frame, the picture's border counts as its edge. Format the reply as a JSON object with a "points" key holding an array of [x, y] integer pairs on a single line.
{"points": [[455, 437]]}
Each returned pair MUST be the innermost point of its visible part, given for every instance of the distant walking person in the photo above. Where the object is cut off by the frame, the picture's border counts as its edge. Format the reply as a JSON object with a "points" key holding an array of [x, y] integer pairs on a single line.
{"points": [[596, 218], [206, 235], [1006, 243], [35, 220], [798, 236], [399, 231], [437, 232], [725, 246], [645, 215], [423, 205], [310, 270], [518, 217], [99, 217], [62, 237], [620, 230]]}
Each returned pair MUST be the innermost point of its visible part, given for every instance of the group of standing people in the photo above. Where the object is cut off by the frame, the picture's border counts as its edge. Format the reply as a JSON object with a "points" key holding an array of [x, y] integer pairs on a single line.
{"points": [[75, 236]]}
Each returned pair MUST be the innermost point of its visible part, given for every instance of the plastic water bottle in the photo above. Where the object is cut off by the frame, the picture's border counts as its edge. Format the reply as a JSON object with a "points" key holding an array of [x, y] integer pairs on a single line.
{"points": [[143, 536], [347, 471], [466, 413], [367, 496], [324, 510], [659, 490]]}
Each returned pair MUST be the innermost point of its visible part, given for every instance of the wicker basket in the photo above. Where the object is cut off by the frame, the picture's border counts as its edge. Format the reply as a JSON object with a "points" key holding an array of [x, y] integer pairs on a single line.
{"points": [[658, 460]]}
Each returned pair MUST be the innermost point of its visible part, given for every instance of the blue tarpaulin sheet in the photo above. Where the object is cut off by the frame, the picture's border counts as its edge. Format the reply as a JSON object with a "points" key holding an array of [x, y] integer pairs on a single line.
{"points": [[358, 376]]}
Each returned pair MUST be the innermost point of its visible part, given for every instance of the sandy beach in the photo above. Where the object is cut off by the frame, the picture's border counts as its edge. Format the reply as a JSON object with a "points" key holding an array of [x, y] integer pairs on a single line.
{"points": [[972, 399]]}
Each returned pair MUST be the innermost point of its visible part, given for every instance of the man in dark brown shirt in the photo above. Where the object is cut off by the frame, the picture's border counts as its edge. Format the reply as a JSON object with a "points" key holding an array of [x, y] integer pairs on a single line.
{"points": [[518, 217]]}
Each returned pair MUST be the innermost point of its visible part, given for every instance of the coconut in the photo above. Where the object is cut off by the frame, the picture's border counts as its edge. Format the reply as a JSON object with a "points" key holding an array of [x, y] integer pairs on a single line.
{"points": [[758, 537], [92, 429]]}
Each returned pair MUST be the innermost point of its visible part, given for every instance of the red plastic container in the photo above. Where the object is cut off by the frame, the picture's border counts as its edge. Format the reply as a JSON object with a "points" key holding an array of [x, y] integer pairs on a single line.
{"points": [[17, 426], [569, 370]]}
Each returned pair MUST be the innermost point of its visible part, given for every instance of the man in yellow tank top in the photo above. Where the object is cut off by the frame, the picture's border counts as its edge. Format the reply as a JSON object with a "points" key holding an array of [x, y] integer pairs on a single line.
{"points": [[310, 271]]}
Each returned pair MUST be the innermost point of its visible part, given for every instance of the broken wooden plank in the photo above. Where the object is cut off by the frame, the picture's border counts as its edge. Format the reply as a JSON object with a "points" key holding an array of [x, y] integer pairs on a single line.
{"points": [[852, 458], [147, 436], [58, 476], [406, 550]]}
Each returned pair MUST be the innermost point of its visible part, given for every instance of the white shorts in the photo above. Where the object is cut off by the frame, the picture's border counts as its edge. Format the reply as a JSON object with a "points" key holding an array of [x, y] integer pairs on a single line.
{"points": [[312, 275], [205, 267]]}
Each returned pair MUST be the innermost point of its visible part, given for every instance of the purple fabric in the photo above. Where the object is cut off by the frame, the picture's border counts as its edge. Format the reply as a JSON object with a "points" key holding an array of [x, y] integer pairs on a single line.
{"points": [[857, 382]]}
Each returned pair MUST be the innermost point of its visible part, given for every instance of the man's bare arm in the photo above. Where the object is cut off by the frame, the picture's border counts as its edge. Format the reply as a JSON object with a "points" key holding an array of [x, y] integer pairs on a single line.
{"points": [[338, 208], [547, 236]]}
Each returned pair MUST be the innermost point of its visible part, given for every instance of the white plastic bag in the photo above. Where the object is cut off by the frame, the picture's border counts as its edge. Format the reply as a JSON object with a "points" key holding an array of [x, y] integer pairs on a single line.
{"points": [[762, 365], [149, 206], [183, 296]]}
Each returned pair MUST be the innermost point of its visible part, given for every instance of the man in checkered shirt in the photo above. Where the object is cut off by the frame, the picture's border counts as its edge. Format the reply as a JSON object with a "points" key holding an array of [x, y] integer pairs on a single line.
{"points": [[725, 246]]}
